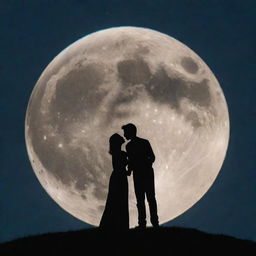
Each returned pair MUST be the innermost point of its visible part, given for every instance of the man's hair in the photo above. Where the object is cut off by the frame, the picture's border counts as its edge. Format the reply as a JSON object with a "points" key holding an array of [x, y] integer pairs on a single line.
{"points": [[130, 127]]}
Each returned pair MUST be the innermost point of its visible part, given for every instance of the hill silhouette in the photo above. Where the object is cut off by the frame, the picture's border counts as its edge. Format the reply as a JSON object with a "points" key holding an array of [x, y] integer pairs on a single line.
{"points": [[170, 241]]}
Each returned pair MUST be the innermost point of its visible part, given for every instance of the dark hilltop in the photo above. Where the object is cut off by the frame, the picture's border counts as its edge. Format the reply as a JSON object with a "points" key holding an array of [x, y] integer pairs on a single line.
{"points": [[163, 240]]}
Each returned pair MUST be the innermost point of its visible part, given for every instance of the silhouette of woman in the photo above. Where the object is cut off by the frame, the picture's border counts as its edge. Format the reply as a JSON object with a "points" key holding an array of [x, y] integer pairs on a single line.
{"points": [[116, 213]]}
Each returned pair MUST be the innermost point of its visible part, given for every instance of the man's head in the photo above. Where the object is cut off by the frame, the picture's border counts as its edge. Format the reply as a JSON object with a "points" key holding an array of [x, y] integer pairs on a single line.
{"points": [[130, 131]]}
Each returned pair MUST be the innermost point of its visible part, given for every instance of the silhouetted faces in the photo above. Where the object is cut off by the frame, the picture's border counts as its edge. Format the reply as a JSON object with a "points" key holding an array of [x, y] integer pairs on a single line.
{"points": [[115, 143], [130, 131]]}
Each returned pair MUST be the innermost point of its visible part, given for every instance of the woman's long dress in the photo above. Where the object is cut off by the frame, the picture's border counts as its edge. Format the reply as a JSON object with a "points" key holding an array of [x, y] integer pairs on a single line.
{"points": [[116, 213]]}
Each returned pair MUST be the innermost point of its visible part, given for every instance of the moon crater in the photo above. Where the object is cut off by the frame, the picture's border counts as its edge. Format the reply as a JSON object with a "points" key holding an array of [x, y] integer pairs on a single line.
{"points": [[133, 71], [189, 65]]}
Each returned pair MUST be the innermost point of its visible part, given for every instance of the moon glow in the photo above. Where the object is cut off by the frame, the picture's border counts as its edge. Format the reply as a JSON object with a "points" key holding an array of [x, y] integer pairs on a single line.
{"points": [[113, 77]]}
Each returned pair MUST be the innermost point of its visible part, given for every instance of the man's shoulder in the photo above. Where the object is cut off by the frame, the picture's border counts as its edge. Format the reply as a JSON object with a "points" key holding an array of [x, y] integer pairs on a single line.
{"points": [[138, 140], [142, 140]]}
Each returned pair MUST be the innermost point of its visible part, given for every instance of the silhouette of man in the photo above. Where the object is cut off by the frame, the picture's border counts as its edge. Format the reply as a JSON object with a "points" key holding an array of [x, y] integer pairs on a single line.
{"points": [[140, 160]]}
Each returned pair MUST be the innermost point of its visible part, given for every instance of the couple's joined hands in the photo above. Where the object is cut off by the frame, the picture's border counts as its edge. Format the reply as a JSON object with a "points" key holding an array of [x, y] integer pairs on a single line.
{"points": [[129, 172]]}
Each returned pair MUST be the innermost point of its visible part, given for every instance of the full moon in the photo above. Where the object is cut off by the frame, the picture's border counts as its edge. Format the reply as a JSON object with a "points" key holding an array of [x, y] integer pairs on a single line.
{"points": [[117, 76]]}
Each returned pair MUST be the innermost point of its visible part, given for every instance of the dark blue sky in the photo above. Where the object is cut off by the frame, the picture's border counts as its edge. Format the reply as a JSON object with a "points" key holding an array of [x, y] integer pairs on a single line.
{"points": [[222, 33]]}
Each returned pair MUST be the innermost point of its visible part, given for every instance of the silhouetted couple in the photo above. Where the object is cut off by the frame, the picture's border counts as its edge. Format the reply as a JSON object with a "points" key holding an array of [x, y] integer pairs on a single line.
{"points": [[138, 159]]}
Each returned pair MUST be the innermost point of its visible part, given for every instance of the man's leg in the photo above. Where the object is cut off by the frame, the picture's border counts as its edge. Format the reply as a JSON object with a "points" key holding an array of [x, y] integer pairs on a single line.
{"points": [[140, 196], [150, 192]]}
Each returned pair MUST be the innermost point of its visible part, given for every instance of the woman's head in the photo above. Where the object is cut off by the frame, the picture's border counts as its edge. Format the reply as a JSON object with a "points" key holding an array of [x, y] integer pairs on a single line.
{"points": [[115, 143]]}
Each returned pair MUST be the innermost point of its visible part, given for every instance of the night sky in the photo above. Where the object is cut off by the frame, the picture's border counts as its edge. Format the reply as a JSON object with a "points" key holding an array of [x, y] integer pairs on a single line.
{"points": [[222, 33]]}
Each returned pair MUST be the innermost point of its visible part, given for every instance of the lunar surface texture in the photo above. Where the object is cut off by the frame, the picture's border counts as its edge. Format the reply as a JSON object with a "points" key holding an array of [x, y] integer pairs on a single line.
{"points": [[117, 76]]}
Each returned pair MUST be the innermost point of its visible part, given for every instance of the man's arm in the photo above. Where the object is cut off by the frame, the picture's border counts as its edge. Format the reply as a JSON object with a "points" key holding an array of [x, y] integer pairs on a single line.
{"points": [[150, 153]]}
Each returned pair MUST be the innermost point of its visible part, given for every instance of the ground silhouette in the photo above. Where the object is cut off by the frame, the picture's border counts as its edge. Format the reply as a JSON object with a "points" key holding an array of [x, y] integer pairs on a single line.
{"points": [[151, 241]]}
